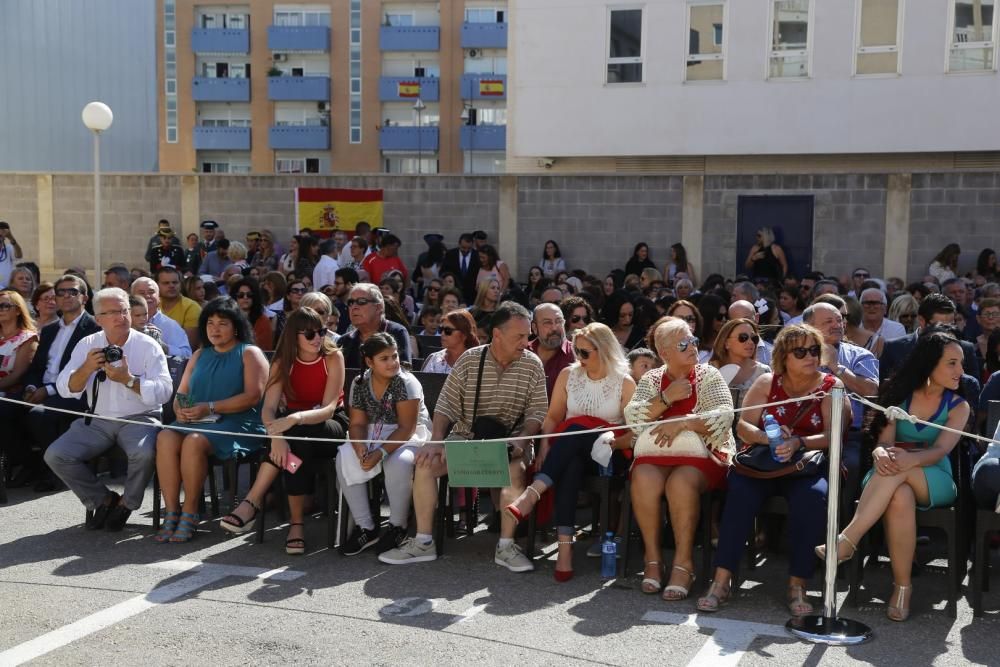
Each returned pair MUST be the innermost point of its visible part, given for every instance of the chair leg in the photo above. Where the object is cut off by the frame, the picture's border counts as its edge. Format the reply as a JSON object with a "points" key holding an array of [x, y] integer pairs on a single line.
{"points": [[954, 565], [979, 570], [440, 514], [157, 501], [213, 489], [706, 536], [232, 468], [627, 537], [332, 515], [471, 511]]}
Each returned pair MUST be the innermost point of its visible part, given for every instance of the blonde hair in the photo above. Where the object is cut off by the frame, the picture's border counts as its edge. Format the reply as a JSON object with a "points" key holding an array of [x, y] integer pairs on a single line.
{"points": [[24, 320], [651, 274], [237, 251], [607, 346], [904, 304], [667, 329], [482, 290], [788, 338]]}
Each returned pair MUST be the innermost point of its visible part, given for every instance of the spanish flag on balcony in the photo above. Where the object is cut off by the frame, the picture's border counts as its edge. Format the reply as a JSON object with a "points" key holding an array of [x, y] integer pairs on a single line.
{"points": [[327, 209], [491, 87], [408, 89]]}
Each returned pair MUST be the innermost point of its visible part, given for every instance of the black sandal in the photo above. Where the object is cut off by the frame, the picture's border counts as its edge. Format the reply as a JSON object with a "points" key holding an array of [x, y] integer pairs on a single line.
{"points": [[295, 546], [237, 526]]}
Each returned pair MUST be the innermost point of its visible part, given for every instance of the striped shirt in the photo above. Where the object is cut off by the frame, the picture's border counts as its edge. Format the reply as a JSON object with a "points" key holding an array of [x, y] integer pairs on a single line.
{"points": [[514, 395]]}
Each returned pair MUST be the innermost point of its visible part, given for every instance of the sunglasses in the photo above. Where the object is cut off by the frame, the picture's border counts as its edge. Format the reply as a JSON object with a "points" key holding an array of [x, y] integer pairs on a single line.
{"points": [[801, 352], [244, 295], [67, 291], [4, 307], [581, 353], [447, 331], [576, 319], [310, 334], [683, 345], [690, 319], [433, 289], [297, 290], [359, 302], [744, 337]]}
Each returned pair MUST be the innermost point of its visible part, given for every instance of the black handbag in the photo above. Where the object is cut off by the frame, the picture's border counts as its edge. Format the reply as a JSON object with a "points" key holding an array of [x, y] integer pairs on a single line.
{"points": [[756, 461], [486, 427]]}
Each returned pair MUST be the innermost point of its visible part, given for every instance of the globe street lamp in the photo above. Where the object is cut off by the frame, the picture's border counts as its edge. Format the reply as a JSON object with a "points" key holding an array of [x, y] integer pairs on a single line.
{"points": [[97, 117]]}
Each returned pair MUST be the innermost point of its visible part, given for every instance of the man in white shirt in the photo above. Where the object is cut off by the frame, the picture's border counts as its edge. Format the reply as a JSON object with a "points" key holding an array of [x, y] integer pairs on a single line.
{"points": [[325, 272], [134, 388], [10, 252], [173, 335], [873, 309], [360, 231]]}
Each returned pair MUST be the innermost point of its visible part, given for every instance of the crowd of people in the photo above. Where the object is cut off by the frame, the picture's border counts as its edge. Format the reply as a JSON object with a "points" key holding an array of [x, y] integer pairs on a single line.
{"points": [[266, 337]]}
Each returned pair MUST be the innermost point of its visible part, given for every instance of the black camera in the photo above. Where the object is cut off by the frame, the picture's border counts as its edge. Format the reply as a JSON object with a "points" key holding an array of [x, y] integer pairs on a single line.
{"points": [[113, 354]]}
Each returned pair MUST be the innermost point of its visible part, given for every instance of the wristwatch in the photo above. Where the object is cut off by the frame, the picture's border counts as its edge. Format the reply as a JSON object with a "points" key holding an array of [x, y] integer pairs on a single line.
{"points": [[211, 407], [131, 381]]}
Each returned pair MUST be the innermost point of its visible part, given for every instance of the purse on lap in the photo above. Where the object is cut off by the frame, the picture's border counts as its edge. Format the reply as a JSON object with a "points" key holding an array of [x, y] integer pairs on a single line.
{"points": [[756, 462]]}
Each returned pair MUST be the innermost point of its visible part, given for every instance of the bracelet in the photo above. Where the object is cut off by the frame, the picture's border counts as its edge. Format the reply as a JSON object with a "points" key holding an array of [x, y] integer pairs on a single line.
{"points": [[802, 442], [211, 407], [663, 399]]}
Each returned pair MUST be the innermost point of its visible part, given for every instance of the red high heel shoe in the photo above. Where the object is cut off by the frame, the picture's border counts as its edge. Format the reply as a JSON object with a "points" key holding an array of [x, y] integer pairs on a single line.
{"points": [[514, 512], [562, 576]]}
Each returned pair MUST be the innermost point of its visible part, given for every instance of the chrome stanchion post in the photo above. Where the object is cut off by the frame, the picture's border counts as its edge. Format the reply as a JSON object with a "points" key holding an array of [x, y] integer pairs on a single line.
{"points": [[827, 628]]}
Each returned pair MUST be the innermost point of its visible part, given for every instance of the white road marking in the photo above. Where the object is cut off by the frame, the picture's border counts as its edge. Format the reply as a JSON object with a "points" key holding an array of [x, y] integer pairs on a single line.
{"points": [[202, 575], [725, 646]]}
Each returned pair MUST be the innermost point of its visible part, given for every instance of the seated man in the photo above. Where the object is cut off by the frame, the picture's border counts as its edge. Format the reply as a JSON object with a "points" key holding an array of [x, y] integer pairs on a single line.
{"points": [[512, 391], [133, 387]]}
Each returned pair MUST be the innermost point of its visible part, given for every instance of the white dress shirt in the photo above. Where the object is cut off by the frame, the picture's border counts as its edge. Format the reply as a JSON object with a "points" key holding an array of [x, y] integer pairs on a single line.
{"points": [[891, 329], [325, 272], [56, 353], [145, 359], [173, 335]]}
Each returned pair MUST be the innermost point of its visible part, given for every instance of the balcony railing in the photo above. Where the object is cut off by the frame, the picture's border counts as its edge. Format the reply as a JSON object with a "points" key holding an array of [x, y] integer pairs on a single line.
{"points": [[483, 138], [408, 138], [484, 35], [215, 89], [299, 137], [410, 38], [220, 40], [402, 88], [303, 88], [298, 38], [484, 86], [222, 138]]}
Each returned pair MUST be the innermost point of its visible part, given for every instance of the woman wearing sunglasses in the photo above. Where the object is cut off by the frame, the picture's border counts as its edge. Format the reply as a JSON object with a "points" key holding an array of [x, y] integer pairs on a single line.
{"points": [[304, 397], [590, 393], [796, 362], [736, 345], [247, 293], [458, 334], [680, 459]]}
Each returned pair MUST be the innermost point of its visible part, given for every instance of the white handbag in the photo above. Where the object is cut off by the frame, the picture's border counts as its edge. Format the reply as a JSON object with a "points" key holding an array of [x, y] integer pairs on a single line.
{"points": [[685, 443]]}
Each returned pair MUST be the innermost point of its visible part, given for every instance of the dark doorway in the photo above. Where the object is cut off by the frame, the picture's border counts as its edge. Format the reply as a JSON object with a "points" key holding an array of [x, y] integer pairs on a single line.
{"points": [[791, 218]]}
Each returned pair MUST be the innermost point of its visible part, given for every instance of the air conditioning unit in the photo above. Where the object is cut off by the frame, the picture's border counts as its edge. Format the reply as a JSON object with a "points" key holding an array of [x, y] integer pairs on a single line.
{"points": [[475, 53], [323, 106], [279, 57]]}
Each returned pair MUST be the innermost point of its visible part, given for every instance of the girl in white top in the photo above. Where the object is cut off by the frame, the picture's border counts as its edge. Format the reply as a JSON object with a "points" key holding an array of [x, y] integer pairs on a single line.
{"points": [[552, 261], [591, 392]]}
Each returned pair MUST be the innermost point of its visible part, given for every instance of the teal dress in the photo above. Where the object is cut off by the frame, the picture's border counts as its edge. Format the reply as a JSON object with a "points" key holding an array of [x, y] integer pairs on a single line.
{"points": [[217, 377], [940, 481]]}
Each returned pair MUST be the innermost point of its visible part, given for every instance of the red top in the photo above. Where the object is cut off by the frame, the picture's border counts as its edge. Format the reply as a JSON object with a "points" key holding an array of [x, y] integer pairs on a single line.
{"points": [[811, 422], [376, 265], [308, 382]]}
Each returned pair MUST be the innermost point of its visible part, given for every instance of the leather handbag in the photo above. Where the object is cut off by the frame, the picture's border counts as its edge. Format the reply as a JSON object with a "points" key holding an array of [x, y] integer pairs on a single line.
{"points": [[756, 461], [486, 427]]}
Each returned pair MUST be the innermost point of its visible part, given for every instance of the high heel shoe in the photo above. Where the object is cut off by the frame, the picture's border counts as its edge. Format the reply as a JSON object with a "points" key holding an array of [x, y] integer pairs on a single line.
{"points": [[716, 597], [649, 585], [821, 549], [898, 611], [515, 512], [562, 576]]}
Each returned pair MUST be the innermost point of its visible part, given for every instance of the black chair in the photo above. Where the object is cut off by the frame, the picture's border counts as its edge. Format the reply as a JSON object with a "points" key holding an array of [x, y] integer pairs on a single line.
{"points": [[4, 472], [427, 344], [230, 480], [987, 523]]}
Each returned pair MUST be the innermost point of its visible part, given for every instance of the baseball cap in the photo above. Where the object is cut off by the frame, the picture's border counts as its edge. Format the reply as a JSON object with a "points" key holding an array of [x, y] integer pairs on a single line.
{"points": [[209, 224]]}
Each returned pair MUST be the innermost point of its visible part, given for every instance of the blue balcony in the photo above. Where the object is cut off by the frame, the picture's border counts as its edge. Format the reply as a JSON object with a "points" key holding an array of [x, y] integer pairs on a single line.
{"points": [[410, 38], [220, 40], [205, 89], [299, 137], [483, 138], [484, 35], [302, 88], [222, 138], [298, 38], [389, 89], [408, 138], [474, 89]]}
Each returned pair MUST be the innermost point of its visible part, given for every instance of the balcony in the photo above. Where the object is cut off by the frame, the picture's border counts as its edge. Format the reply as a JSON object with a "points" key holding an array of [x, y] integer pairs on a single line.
{"points": [[298, 38], [299, 137], [205, 89], [484, 35], [394, 89], [483, 138], [220, 40], [484, 86], [222, 138], [410, 38], [302, 88], [408, 138]]}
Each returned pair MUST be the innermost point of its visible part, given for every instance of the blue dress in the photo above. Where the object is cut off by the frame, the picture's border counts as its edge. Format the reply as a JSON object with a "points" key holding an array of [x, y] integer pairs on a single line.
{"points": [[217, 377]]}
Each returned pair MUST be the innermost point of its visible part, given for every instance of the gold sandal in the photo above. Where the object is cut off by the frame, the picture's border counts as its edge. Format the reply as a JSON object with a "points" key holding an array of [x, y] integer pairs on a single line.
{"points": [[716, 597], [675, 593], [821, 549], [798, 601], [649, 585], [899, 612]]}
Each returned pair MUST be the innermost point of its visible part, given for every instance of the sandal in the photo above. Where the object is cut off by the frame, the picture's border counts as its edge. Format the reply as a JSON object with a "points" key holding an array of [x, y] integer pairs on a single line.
{"points": [[563, 576], [674, 592], [186, 528], [821, 549], [798, 601], [295, 546], [899, 612], [237, 526], [514, 512], [649, 585], [717, 597], [167, 528]]}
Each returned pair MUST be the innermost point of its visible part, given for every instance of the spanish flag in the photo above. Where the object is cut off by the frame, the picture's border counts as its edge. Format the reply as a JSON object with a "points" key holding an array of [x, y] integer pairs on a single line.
{"points": [[327, 209], [491, 87], [408, 89]]}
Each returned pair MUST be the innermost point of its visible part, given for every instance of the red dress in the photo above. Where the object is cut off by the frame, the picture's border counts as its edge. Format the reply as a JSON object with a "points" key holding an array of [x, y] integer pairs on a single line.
{"points": [[714, 472], [811, 422]]}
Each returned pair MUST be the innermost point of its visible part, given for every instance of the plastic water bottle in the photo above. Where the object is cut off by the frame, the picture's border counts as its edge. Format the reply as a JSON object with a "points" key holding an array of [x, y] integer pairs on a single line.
{"points": [[605, 471], [609, 557], [773, 431]]}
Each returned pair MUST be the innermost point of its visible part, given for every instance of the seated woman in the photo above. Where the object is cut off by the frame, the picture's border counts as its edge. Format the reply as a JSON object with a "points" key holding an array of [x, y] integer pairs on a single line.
{"points": [[683, 389], [387, 408], [736, 345], [247, 293], [18, 342], [304, 397], [458, 334], [224, 378], [590, 393], [796, 360], [911, 469]]}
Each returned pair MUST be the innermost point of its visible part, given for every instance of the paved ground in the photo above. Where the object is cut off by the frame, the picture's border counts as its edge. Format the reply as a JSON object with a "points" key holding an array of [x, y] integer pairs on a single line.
{"points": [[72, 597]]}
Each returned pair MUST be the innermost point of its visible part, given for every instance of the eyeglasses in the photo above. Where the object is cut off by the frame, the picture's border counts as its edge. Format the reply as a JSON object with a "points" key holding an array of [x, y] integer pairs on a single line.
{"points": [[359, 302], [119, 313], [691, 341], [744, 337], [576, 319], [801, 352], [4, 307], [310, 334], [872, 303], [581, 353], [433, 289], [690, 319], [862, 274], [447, 331], [992, 315], [244, 295], [297, 290], [67, 291]]}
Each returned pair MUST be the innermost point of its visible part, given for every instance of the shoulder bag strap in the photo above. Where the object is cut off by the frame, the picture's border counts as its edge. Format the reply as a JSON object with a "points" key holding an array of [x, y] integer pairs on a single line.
{"points": [[479, 381]]}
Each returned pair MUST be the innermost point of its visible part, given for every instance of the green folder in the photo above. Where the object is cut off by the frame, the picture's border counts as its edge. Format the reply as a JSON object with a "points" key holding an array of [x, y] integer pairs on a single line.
{"points": [[478, 463]]}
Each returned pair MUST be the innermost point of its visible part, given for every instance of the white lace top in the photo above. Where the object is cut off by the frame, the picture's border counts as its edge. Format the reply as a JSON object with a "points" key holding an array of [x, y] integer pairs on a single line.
{"points": [[594, 398]]}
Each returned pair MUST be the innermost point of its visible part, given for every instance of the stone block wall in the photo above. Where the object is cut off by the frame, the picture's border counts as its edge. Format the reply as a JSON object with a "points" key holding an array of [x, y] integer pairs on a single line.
{"points": [[19, 207]]}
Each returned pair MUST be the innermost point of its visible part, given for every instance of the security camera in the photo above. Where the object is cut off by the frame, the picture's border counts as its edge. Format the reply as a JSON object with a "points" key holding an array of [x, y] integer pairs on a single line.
{"points": [[546, 162]]}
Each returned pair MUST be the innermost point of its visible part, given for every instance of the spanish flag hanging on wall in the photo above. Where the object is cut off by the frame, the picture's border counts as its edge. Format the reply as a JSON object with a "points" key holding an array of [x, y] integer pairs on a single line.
{"points": [[491, 87], [327, 209]]}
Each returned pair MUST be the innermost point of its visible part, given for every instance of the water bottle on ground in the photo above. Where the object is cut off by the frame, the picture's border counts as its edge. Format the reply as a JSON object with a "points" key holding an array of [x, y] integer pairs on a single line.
{"points": [[774, 437], [609, 557]]}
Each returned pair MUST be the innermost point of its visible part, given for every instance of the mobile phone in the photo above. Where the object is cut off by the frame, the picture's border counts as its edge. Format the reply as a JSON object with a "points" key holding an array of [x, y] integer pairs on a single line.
{"points": [[292, 463], [184, 400]]}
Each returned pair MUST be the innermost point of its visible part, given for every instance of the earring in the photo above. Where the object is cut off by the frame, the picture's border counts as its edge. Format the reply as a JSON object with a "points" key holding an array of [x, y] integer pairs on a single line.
{"points": [[928, 382]]}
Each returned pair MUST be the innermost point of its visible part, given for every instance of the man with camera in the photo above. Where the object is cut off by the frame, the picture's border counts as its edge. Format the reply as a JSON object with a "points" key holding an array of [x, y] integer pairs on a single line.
{"points": [[124, 375], [10, 252]]}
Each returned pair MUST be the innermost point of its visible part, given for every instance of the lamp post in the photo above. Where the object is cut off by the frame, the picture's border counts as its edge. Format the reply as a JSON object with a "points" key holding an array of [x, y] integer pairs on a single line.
{"points": [[419, 106], [469, 117], [97, 117]]}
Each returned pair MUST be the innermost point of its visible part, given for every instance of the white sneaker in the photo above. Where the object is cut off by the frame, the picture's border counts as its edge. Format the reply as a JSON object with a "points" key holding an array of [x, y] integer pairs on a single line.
{"points": [[410, 551], [512, 558]]}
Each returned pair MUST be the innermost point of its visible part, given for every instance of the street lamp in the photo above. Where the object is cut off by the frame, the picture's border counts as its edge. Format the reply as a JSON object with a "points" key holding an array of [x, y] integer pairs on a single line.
{"points": [[97, 117], [419, 106], [469, 117]]}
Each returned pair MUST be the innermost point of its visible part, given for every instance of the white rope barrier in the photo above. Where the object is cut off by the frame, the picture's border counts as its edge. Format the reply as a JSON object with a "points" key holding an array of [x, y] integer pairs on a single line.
{"points": [[895, 413]]}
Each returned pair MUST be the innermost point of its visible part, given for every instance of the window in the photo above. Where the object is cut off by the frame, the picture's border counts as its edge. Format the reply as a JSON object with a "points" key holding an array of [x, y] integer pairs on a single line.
{"points": [[973, 36], [625, 46], [170, 86], [302, 165], [399, 20], [879, 25], [790, 39], [301, 18], [705, 58], [405, 164], [169, 38], [170, 70], [354, 127], [484, 15]]}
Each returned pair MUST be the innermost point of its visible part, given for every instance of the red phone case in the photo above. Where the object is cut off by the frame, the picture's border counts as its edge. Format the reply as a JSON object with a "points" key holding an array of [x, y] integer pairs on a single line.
{"points": [[292, 463]]}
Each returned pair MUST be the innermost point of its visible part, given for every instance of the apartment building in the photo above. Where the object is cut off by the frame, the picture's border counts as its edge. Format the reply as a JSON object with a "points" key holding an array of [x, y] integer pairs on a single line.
{"points": [[359, 86]]}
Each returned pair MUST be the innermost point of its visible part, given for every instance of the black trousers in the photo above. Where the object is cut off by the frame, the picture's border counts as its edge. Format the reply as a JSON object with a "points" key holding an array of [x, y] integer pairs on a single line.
{"points": [[303, 481]]}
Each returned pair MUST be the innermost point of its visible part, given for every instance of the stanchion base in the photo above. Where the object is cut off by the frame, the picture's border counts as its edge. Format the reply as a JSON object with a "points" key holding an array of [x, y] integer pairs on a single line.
{"points": [[832, 631]]}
